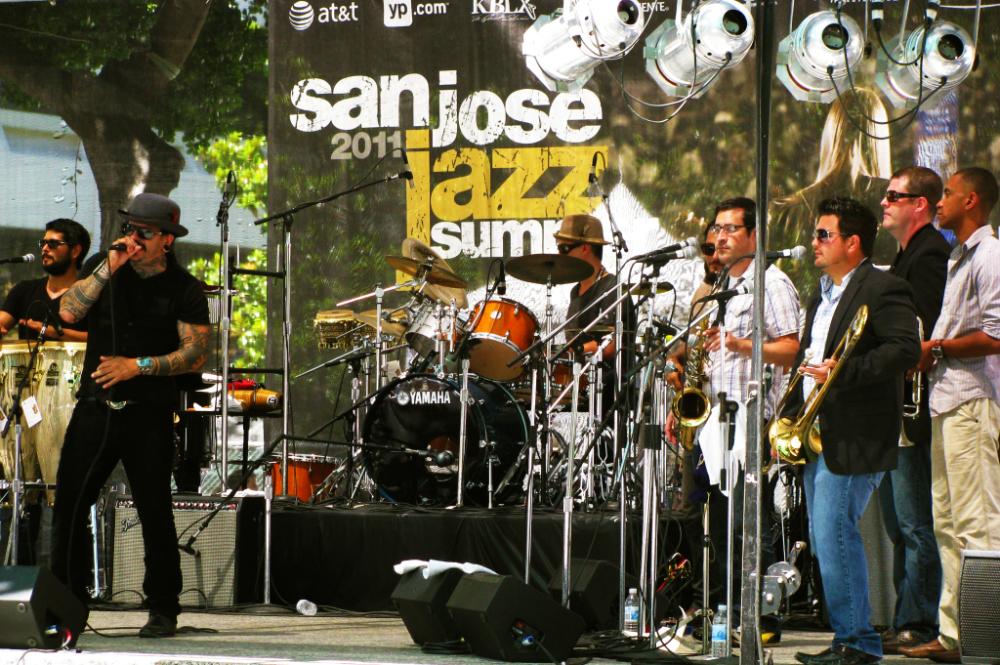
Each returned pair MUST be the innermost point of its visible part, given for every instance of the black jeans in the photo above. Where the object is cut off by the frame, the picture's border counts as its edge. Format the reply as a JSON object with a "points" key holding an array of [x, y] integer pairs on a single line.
{"points": [[142, 437]]}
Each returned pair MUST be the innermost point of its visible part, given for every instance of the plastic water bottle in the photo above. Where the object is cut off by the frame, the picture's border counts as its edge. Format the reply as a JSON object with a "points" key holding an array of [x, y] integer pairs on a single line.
{"points": [[306, 608], [632, 611], [720, 640]]}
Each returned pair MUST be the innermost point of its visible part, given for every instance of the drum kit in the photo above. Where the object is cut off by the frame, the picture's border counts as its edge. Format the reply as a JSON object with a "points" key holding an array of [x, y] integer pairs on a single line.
{"points": [[454, 354]]}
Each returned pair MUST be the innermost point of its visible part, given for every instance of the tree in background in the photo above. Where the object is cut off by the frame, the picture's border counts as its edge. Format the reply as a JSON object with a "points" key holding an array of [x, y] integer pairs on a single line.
{"points": [[126, 77]]}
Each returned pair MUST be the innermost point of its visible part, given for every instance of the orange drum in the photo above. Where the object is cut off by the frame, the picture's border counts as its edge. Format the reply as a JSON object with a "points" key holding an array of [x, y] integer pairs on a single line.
{"points": [[305, 474], [505, 330]]}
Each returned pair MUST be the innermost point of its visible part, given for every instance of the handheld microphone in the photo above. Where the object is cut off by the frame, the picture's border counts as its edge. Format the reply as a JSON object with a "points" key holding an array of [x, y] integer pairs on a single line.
{"points": [[690, 242], [795, 253], [27, 258], [502, 281], [407, 163], [740, 290], [659, 258], [118, 247], [186, 548], [405, 175]]}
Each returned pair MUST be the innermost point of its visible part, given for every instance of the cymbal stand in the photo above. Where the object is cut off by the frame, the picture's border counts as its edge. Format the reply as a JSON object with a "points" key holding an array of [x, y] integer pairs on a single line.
{"points": [[529, 505], [592, 418], [379, 342], [547, 378], [568, 494], [462, 430]]}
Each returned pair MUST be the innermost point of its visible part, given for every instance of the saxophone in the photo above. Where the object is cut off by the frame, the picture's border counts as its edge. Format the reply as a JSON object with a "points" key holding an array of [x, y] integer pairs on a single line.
{"points": [[691, 406]]}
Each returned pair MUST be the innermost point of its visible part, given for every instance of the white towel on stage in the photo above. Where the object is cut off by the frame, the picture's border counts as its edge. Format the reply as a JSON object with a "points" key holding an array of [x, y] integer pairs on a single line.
{"points": [[434, 567], [713, 448]]}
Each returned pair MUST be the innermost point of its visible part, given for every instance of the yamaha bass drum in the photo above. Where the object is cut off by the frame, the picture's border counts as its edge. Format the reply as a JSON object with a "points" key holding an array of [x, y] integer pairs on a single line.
{"points": [[422, 412]]}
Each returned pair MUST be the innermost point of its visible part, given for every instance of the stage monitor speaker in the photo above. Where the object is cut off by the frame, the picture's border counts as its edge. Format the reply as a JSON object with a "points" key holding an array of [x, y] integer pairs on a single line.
{"points": [[594, 592], [37, 611], [421, 604], [979, 607], [228, 568], [503, 618]]}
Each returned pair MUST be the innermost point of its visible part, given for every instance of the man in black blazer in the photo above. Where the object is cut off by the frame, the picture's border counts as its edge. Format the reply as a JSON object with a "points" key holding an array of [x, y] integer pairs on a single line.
{"points": [[859, 419], [908, 209]]}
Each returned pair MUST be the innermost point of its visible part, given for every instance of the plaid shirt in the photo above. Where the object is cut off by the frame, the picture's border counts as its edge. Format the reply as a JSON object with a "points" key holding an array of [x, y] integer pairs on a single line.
{"points": [[781, 318], [971, 303]]}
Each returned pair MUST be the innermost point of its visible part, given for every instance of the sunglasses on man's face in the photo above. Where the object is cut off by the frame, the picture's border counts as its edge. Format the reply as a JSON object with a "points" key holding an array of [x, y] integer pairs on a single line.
{"points": [[893, 196], [566, 249], [824, 235], [143, 232], [51, 244], [708, 248]]}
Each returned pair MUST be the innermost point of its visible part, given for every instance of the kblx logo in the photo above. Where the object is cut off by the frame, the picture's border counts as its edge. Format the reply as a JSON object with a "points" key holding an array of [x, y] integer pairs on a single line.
{"points": [[398, 13], [511, 9]]}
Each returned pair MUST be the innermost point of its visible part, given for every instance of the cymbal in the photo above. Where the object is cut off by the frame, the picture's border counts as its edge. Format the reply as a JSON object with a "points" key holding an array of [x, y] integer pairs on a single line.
{"points": [[537, 268], [436, 274], [419, 251], [596, 330], [391, 328], [645, 287]]}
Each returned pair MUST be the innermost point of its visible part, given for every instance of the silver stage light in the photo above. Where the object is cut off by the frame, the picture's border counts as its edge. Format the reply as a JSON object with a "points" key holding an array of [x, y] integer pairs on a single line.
{"points": [[948, 57], [562, 49], [722, 28], [818, 44]]}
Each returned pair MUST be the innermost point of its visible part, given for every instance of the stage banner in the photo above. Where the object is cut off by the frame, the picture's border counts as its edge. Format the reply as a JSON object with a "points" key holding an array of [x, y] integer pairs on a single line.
{"points": [[366, 90]]}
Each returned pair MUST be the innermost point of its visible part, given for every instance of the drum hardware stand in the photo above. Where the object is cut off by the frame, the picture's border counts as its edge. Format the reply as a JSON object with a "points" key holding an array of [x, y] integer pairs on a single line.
{"points": [[462, 430], [568, 496], [530, 500], [268, 501]]}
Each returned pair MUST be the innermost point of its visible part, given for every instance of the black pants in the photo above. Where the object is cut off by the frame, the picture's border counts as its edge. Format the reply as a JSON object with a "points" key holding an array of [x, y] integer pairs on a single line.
{"points": [[142, 437]]}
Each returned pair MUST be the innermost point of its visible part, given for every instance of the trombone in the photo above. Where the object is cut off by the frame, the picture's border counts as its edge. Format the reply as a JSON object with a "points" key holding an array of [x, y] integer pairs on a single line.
{"points": [[912, 410], [797, 439]]}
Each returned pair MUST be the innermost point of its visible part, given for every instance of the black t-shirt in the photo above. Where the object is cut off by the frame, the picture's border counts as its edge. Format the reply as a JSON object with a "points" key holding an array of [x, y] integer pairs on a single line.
{"points": [[603, 289], [19, 305], [146, 314]]}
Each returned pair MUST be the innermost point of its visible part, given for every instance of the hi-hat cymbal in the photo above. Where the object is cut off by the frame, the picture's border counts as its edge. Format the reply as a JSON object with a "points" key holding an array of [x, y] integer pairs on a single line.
{"points": [[419, 251], [537, 268], [391, 328], [434, 275], [645, 287]]}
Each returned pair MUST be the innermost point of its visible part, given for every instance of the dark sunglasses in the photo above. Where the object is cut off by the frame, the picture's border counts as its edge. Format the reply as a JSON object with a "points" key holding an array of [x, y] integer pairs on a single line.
{"points": [[708, 248], [893, 196], [823, 235], [51, 244], [566, 249], [143, 232]]}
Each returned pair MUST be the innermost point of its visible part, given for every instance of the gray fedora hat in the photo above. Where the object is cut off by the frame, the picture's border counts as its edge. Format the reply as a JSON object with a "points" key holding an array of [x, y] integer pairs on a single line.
{"points": [[155, 210]]}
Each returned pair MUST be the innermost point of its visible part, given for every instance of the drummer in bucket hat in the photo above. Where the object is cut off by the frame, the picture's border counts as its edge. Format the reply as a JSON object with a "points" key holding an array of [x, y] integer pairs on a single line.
{"points": [[149, 322], [582, 237]]}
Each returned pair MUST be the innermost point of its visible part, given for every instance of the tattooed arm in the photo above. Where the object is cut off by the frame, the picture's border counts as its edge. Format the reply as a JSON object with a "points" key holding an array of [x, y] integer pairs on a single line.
{"points": [[190, 356], [80, 297]]}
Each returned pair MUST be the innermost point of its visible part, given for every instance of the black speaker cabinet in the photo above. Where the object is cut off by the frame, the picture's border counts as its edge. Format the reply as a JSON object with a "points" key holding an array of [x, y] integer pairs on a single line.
{"points": [[37, 611], [979, 607], [421, 604], [228, 568], [503, 618], [594, 591]]}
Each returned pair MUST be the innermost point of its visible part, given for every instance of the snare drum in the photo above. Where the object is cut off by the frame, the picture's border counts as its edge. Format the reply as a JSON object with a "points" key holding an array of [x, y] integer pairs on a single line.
{"points": [[427, 328], [53, 383], [305, 474], [505, 330]]}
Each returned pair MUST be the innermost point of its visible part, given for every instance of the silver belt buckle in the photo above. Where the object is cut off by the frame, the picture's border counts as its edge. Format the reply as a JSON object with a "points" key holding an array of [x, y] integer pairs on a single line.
{"points": [[117, 406]]}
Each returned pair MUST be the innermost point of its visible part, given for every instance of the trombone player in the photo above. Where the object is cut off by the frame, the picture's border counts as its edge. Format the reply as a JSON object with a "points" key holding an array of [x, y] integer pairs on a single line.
{"points": [[860, 417]]}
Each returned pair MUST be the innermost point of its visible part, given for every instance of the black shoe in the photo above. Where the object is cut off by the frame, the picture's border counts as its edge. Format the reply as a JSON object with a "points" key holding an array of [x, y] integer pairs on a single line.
{"points": [[159, 626], [838, 655]]}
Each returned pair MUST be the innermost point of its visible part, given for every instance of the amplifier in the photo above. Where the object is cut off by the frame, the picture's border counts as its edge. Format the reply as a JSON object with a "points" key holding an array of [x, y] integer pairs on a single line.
{"points": [[979, 607], [228, 569]]}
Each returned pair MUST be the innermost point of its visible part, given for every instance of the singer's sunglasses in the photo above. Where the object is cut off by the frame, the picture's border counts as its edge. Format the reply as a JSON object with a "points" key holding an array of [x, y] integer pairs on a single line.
{"points": [[823, 235], [142, 231], [51, 244], [730, 229], [708, 248], [892, 196], [566, 249]]}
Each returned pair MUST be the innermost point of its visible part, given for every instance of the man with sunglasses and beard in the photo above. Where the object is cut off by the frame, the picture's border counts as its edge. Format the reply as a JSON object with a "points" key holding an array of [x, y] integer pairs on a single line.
{"points": [[63, 250], [149, 322]]}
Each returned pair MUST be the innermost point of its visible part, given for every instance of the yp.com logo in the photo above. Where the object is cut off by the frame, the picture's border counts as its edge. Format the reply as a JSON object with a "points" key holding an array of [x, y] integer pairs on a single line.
{"points": [[398, 13]]}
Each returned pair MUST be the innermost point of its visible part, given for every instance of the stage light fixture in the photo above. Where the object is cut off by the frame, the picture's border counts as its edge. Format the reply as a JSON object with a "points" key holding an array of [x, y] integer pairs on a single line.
{"points": [[722, 32], [815, 52], [946, 60], [563, 48]]}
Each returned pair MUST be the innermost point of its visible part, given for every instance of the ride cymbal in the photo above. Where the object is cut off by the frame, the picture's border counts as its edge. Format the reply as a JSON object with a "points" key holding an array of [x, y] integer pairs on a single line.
{"points": [[391, 328], [537, 268], [420, 251], [426, 269]]}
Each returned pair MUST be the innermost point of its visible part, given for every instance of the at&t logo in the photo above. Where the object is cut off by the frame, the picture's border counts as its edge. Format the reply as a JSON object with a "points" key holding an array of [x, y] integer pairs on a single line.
{"points": [[301, 15]]}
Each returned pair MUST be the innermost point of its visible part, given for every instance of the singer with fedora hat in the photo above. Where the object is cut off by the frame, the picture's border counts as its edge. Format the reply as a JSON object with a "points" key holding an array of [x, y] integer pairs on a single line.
{"points": [[149, 322]]}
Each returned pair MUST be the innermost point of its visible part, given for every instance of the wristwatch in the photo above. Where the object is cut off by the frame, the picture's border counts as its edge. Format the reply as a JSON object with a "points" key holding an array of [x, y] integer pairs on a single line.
{"points": [[937, 350], [145, 365]]}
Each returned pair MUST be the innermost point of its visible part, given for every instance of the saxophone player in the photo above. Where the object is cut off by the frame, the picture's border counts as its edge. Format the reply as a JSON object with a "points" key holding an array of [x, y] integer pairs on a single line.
{"points": [[860, 418], [735, 227]]}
